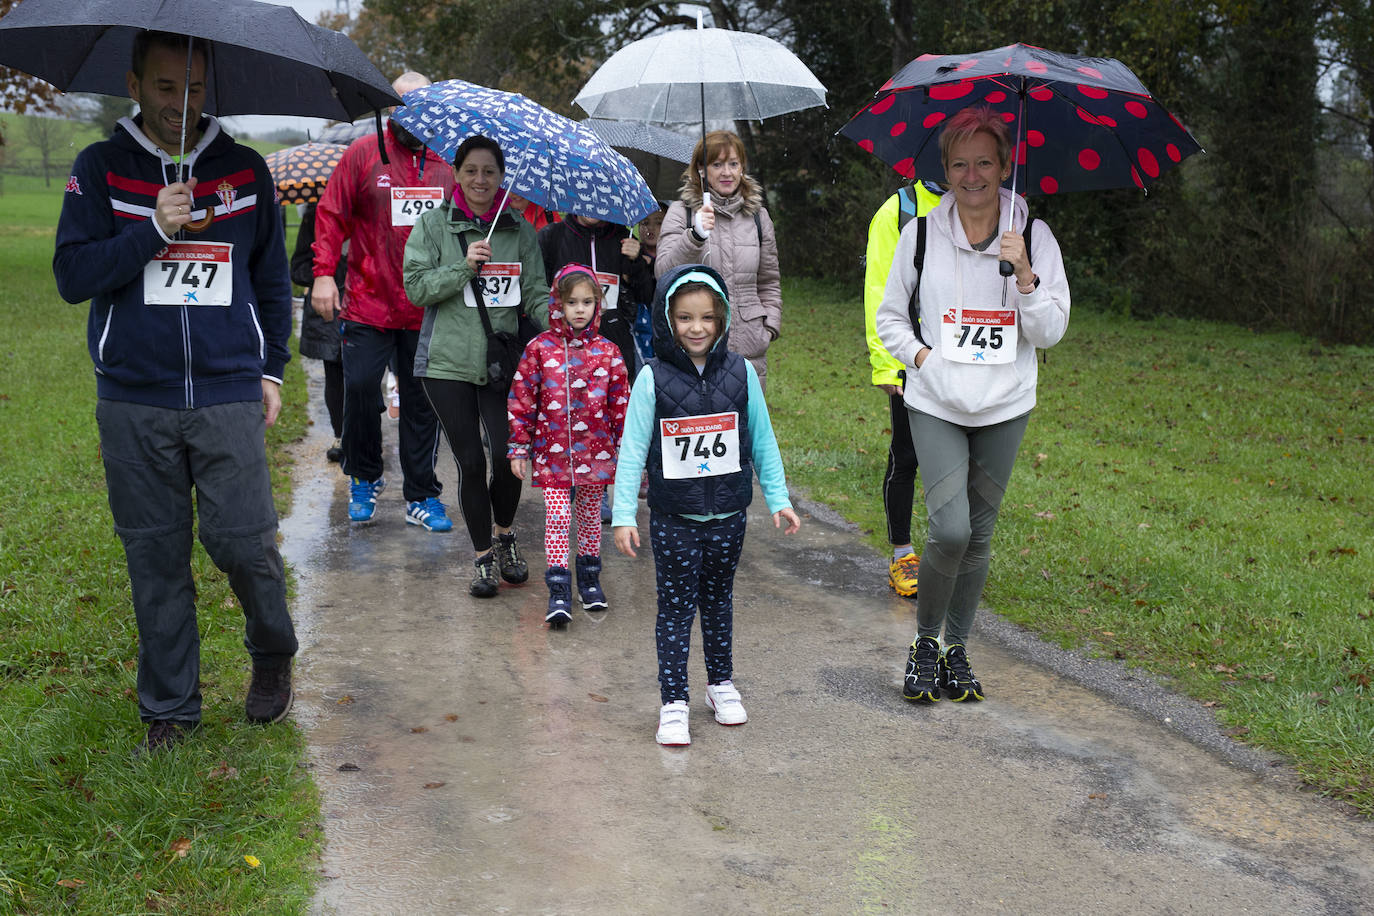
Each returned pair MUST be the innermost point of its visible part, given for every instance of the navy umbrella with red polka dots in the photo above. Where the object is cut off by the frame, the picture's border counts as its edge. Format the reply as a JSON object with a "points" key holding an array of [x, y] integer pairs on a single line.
{"points": [[1080, 123]]}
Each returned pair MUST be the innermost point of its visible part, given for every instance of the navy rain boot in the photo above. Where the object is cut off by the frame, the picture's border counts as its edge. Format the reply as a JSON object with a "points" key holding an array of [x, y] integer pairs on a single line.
{"points": [[560, 597], [589, 584]]}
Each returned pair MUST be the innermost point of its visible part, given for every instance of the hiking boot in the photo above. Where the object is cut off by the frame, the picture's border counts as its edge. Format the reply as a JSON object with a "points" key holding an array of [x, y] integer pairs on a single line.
{"points": [[269, 692], [560, 597], [428, 514], [672, 725], [484, 583], [921, 683], [335, 452], [163, 734], [589, 584], [724, 699], [362, 498], [512, 565], [956, 677], [901, 574]]}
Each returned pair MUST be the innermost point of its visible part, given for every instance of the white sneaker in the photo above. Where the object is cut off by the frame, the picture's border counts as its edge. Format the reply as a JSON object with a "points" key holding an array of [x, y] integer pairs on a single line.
{"points": [[724, 699], [672, 725]]}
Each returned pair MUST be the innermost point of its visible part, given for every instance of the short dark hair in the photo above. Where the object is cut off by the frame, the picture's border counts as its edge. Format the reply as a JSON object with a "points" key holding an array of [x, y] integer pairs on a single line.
{"points": [[148, 39], [475, 142]]}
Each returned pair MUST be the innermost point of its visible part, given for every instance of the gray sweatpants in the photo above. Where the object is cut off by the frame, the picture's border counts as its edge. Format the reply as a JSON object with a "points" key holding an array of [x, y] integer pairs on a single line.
{"points": [[154, 457], [964, 470]]}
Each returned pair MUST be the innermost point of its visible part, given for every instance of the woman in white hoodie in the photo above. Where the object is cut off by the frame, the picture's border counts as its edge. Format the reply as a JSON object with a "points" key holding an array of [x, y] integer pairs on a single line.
{"points": [[971, 377]]}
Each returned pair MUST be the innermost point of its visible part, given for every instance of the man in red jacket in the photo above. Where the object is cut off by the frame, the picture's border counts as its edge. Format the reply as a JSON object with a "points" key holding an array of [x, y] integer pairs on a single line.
{"points": [[373, 205]]}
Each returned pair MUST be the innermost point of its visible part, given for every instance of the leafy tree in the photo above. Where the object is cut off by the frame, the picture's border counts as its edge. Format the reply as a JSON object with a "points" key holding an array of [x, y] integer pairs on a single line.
{"points": [[20, 92]]}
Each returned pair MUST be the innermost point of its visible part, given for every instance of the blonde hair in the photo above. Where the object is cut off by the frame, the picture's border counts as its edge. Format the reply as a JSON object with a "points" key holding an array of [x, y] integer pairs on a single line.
{"points": [[972, 120], [708, 150]]}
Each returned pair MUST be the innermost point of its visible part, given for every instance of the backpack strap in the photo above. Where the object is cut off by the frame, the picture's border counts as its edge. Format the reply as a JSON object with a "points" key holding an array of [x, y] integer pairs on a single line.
{"points": [[918, 261], [906, 206]]}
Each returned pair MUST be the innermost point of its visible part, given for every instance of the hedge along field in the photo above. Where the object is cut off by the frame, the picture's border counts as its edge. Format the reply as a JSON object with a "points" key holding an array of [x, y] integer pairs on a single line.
{"points": [[226, 823], [1191, 497]]}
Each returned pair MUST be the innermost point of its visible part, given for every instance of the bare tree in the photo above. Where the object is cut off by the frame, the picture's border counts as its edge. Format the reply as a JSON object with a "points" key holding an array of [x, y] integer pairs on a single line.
{"points": [[48, 134]]}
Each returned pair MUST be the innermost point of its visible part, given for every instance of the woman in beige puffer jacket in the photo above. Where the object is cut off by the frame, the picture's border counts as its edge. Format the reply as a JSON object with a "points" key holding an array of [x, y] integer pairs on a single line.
{"points": [[734, 234]]}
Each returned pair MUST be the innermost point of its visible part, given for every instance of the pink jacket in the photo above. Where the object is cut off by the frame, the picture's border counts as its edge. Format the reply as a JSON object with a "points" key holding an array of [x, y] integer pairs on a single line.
{"points": [[566, 406]]}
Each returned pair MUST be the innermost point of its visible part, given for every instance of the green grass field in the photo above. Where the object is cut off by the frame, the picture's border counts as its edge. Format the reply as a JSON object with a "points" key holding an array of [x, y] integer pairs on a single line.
{"points": [[87, 829], [1191, 497]]}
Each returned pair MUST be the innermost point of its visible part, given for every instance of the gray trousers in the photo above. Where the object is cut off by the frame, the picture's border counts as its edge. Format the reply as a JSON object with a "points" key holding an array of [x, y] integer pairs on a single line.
{"points": [[964, 470], [154, 457]]}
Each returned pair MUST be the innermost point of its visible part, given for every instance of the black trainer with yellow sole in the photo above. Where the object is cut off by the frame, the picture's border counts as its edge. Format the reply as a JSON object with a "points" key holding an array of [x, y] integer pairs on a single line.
{"points": [[920, 685], [956, 677]]}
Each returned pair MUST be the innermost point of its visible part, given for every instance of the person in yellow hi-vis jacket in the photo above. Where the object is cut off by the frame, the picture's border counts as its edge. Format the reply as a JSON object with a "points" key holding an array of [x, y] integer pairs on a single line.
{"points": [[899, 480]]}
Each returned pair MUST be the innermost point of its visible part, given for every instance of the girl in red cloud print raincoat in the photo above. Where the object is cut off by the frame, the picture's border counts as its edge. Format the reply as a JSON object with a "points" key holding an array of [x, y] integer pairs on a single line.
{"points": [[566, 411]]}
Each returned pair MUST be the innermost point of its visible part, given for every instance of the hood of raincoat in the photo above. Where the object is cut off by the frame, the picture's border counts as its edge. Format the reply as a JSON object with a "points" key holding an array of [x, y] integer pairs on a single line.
{"points": [[557, 324], [665, 342]]}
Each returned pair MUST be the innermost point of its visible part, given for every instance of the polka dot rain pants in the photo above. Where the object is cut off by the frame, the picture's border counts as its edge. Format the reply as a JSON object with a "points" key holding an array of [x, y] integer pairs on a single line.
{"points": [[695, 567], [558, 512]]}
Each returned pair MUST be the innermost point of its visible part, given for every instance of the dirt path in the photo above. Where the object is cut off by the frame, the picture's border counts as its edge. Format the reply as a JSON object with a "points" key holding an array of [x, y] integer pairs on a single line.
{"points": [[472, 761]]}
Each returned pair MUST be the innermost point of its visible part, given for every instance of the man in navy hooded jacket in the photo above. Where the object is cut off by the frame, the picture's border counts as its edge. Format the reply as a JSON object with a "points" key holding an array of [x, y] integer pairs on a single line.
{"points": [[189, 321]]}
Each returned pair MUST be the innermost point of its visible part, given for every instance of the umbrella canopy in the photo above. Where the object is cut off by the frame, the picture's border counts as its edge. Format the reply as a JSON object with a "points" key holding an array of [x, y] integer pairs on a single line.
{"points": [[301, 172], [264, 58], [698, 74], [644, 137], [659, 154], [1081, 123], [551, 160]]}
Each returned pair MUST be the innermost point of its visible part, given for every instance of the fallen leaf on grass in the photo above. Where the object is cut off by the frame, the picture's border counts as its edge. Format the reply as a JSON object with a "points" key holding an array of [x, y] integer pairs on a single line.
{"points": [[599, 698], [70, 882], [1210, 704], [1223, 669], [181, 847], [451, 717], [1098, 795], [252, 861], [348, 768], [1360, 678], [1047, 514], [434, 785], [223, 770], [1239, 731], [345, 700], [418, 730]]}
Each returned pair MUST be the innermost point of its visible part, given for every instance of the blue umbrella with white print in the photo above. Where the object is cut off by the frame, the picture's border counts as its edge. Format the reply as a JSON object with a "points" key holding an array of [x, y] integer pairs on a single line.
{"points": [[551, 160]]}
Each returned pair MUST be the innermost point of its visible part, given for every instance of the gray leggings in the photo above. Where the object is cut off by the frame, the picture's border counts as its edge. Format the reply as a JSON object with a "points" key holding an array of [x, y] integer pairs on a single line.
{"points": [[964, 470]]}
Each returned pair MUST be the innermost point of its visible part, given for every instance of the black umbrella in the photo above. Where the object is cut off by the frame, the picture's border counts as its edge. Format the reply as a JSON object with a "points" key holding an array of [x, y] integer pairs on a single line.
{"points": [[263, 58]]}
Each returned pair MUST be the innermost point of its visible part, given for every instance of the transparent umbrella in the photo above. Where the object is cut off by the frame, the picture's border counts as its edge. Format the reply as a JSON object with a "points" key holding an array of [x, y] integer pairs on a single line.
{"points": [[695, 74]]}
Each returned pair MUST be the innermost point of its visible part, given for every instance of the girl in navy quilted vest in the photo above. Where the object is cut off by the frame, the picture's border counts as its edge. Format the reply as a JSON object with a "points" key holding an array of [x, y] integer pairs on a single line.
{"points": [[566, 407], [698, 420]]}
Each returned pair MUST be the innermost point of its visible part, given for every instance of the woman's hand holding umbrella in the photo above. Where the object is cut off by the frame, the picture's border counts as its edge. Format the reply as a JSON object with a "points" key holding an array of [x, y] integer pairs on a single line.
{"points": [[1014, 252], [705, 220], [629, 247], [479, 253]]}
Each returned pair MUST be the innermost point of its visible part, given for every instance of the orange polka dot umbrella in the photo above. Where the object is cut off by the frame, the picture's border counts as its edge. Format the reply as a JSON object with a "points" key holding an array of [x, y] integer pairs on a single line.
{"points": [[301, 172]]}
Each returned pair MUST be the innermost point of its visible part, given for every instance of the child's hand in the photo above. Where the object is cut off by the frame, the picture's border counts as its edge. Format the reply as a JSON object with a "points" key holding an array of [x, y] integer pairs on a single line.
{"points": [[626, 539], [518, 467], [793, 523]]}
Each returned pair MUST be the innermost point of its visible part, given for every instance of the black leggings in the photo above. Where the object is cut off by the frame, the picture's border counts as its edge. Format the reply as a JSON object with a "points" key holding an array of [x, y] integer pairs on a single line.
{"points": [[333, 394], [461, 407]]}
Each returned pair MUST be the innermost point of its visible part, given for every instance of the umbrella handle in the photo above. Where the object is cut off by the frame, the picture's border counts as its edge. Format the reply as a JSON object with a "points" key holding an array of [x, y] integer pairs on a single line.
{"points": [[1005, 269]]}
